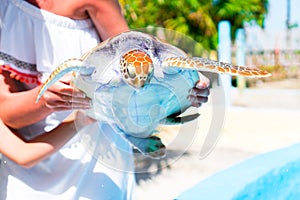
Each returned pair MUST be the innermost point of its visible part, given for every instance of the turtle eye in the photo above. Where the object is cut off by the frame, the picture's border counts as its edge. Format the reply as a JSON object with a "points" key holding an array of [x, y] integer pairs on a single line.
{"points": [[150, 69], [131, 70]]}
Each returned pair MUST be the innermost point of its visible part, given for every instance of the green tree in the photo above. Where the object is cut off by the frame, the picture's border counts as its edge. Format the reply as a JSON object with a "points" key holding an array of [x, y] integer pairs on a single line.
{"points": [[238, 12], [195, 18]]}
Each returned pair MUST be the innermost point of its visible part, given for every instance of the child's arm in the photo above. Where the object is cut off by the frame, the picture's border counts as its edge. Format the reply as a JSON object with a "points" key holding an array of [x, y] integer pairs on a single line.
{"points": [[27, 154]]}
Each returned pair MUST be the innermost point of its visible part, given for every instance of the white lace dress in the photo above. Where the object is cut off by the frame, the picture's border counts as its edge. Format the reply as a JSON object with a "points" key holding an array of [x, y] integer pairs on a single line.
{"points": [[32, 43]]}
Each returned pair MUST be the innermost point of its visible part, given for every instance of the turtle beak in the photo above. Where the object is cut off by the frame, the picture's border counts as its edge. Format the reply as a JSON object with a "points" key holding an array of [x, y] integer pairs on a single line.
{"points": [[141, 81], [147, 76], [140, 84]]}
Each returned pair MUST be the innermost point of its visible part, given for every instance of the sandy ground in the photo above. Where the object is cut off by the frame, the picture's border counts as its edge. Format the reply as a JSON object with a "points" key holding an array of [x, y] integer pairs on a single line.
{"points": [[258, 120]]}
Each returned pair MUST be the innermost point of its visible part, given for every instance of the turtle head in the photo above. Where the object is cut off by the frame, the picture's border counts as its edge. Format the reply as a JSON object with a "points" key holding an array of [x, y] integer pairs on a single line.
{"points": [[136, 68]]}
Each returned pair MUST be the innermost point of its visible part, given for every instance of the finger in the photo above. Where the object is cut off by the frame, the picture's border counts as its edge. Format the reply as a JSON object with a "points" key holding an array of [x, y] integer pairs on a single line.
{"points": [[71, 108], [78, 93], [199, 92], [81, 104], [65, 105], [74, 99], [65, 89], [52, 98], [197, 99], [196, 105]]}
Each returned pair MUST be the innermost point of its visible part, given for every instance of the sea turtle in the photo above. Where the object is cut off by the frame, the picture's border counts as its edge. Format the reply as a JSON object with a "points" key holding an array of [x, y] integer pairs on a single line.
{"points": [[137, 82]]}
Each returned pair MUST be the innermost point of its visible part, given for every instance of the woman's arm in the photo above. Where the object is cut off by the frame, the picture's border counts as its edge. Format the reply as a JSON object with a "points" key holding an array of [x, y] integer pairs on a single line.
{"points": [[28, 154], [107, 17], [18, 107]]}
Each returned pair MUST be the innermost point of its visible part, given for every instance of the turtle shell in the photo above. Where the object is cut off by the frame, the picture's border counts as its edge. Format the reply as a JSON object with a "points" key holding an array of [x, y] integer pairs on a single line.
{"points": [[135, 111]]}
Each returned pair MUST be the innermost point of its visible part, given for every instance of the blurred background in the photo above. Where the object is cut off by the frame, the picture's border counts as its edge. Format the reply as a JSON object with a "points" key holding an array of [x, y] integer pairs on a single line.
{"points": [[262, 115]]}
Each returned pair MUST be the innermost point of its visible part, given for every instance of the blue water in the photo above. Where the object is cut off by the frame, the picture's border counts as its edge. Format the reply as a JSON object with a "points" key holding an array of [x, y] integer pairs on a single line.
{"points": [[274, 175], [281, 183]]}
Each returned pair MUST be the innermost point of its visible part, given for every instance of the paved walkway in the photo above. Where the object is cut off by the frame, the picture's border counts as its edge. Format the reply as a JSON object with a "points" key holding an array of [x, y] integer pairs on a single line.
{"points": [[248, 131]]}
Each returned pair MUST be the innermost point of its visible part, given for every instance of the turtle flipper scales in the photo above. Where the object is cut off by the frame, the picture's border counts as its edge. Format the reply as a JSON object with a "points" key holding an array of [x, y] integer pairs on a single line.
{"points": [[203, 64], [175, 119], [71, 65], [151, 146]]}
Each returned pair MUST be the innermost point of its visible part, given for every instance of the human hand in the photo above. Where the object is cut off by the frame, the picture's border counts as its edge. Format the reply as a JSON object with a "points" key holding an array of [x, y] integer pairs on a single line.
{"points": [[199, 93], [62, 96]]}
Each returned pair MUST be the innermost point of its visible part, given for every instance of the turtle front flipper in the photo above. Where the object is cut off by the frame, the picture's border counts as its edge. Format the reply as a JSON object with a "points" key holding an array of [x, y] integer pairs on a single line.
{"points": [[71, 65], [202, 64]]}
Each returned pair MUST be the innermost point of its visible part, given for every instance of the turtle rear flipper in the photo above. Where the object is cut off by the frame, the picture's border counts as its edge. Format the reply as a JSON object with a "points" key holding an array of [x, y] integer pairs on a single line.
{"points": [[175, 119], [151, 146], [71, 65]]}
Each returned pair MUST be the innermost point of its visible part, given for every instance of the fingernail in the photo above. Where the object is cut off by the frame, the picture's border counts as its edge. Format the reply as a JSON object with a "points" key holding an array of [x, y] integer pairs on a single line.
{"points": [[82, 94], [89, 102], [87, 107], [201, 85]]}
